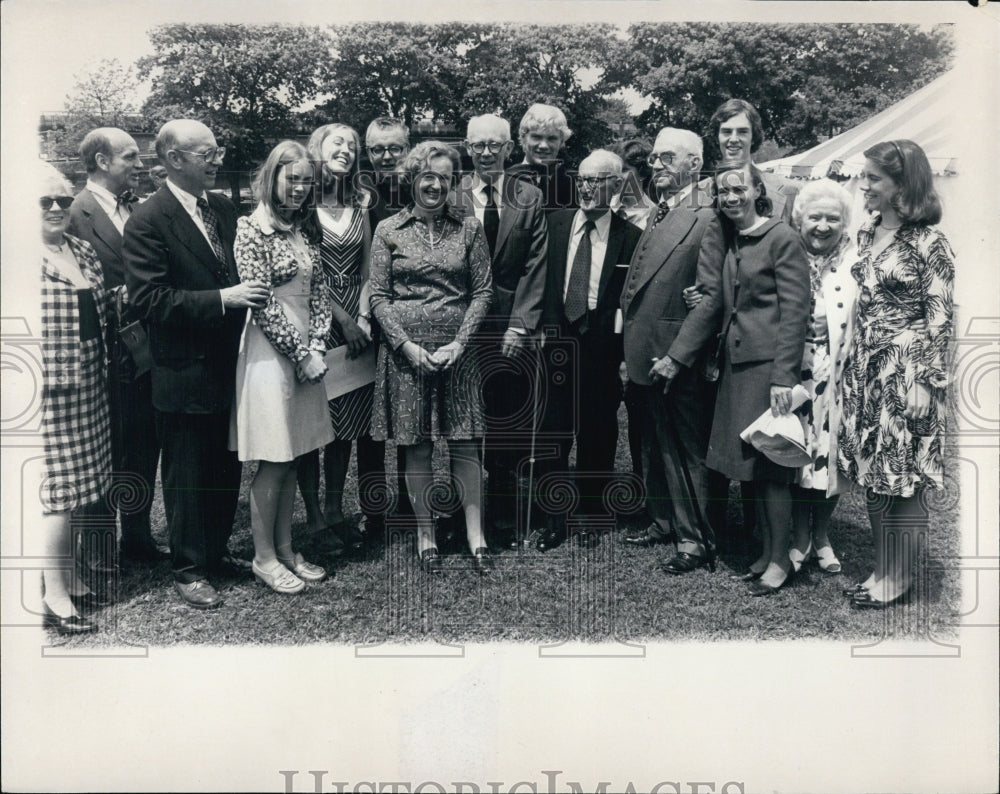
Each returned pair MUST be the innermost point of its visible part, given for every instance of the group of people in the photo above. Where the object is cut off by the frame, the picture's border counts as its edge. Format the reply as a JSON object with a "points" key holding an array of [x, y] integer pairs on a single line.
{"points": [[496, 310]]}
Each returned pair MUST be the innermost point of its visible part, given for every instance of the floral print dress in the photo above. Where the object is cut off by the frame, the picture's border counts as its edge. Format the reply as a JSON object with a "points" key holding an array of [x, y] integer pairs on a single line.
{"points": [[903, 329]]}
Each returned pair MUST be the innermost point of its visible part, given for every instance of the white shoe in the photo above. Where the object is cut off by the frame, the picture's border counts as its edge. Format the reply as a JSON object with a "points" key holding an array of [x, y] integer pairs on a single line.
{"points": [[279, 579], [304, 570]]}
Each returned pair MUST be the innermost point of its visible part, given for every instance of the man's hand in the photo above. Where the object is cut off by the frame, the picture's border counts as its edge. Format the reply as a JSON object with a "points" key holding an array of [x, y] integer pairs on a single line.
{"points": [[446, 356], [419, 359], [918, 402], [781, 400], [251, 294], [692, 296], [664, 369], [512, 343], [356, 337], [311, 369]]}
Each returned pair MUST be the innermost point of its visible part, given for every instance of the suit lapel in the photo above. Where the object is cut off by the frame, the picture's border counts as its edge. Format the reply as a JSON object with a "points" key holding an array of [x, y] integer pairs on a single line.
{"points": [[616, 237], [507, 213], [101, 224], [560, 226], [663, 240], [188, 234]]}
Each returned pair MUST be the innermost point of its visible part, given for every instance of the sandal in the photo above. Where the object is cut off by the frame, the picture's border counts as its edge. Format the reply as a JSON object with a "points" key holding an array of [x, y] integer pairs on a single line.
{"points": [[827, 560], [799, 557]]}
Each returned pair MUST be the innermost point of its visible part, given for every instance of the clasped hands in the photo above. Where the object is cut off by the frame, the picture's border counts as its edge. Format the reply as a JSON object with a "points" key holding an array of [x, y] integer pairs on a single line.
{"points": [[312, 368], [428, 363]]}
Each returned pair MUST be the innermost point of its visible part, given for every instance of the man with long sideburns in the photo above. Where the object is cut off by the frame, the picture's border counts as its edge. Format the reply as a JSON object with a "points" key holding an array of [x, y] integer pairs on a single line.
{"points": [[514, 222], [666, 366], [98, 215], [589, 251], [182, 280]]}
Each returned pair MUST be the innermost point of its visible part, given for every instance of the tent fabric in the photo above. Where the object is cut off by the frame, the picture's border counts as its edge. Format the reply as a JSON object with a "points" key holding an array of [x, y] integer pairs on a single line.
{"points": [[923, 117]]}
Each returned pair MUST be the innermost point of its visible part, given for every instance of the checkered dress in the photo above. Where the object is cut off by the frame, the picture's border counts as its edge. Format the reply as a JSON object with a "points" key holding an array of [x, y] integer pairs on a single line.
{"points": [[76, 425]]}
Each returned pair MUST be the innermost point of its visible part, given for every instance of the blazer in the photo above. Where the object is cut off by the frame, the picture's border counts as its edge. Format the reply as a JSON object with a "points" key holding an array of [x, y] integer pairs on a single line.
{"points": [[173, 283], [622, 239], [664, 263], [88, 221], [61, 348], [521, 257]]}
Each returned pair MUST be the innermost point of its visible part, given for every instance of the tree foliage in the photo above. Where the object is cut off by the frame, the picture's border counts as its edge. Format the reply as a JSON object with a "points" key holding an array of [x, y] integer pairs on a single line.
{"points": [[244, 81]]}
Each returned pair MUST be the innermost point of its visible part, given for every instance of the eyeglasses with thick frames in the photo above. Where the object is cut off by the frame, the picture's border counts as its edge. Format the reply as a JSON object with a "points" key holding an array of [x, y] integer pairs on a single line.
{"points": [[494, 146], [378, 151], [64, 202], [592, 181], [216, 155], [661, 159]]}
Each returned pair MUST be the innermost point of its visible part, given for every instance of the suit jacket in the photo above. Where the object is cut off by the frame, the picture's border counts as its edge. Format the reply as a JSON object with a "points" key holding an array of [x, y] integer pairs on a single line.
{"points": [[88, 221], [622, 239], [665, 262], [173, 283], [520, 260]]}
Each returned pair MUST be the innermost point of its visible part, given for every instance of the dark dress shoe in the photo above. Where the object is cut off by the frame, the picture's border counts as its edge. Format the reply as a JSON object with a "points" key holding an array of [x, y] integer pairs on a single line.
{"points": [[853, 590], [864, 600], [482, 561], [682, 562], [550, 539], [759, 588], [747, 576], [647, 539], [430, 561], [74, 624], [198, 594], [586, 539]]}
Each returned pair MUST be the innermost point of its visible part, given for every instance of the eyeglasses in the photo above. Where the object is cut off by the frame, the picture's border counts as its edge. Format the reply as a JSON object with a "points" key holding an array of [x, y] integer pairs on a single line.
{"points": [[661, 159], [481, 146], [592, 181], [378, 151], [216, 155], [64, 202]]}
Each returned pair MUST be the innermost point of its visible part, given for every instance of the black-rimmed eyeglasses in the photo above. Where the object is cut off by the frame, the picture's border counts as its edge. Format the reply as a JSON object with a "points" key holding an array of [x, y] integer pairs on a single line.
{"points": [[481, 146], [661, 159], [592, 181], [378, 151]]}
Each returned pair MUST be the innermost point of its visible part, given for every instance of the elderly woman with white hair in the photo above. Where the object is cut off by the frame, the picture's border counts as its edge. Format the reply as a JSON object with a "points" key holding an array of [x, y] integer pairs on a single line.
{"points": [[543, 133], [821, 214], [76, 425]]}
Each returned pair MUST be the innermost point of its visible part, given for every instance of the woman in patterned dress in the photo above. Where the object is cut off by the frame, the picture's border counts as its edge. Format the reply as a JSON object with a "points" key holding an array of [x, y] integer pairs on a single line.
{"points": [[430, 289], [280, 409], [821, 214], [345, 248], [892, 431], [76, 425]]}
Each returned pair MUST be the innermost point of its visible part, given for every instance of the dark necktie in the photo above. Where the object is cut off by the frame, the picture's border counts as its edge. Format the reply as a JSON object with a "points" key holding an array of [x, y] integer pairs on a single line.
{"points": [[491, 219], [661, 212], [579, 278], [211, 221], [126, 199]]}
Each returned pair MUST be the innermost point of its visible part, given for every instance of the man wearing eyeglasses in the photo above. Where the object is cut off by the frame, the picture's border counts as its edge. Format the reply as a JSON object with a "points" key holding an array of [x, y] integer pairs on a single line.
{"points": [[588, 254], [681, 245], [98, 215], [182, 280], [387, 141], [514, 222]]}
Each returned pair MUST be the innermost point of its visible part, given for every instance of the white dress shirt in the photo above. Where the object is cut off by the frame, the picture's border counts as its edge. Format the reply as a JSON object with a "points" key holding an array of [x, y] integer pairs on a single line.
{"points": [[109, 203], [479, 188], [598, 248]]}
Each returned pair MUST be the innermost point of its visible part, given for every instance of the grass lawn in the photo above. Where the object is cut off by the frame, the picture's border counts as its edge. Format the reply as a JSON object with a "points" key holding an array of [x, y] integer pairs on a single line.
{"points": [[611, 593]]}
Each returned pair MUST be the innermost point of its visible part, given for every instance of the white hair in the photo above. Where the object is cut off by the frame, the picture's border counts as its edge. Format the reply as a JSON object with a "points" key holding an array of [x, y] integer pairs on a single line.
{"points": [[690, 140], [816, 191], [606, 159], [489, 118]]}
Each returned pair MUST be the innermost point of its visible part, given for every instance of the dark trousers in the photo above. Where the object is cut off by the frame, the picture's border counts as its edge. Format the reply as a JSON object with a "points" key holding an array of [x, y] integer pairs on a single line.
{"points": [[201, 482], [135, 451], [581, 394], [675, 431], [510, 420]]}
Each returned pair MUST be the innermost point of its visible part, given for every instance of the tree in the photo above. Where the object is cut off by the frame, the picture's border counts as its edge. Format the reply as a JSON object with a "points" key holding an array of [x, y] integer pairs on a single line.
{"points": [[243, 81], [103, 96]]}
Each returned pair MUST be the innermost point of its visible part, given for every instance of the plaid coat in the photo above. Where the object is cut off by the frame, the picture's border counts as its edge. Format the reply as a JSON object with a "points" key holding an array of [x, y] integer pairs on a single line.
{"points": [[76, 427]]}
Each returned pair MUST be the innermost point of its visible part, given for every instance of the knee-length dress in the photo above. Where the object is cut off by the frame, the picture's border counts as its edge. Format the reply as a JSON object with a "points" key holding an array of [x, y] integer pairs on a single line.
{"points": [[429, 285], [76, 423], [342, 254], [765, 290], [275, 417], [903, 328], [827, 346]]}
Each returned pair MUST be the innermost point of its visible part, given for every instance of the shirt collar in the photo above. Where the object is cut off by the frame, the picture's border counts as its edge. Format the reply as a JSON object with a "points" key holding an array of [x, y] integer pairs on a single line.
{"points": [[105, 197], [478, 184], [602, 225], [187, 200]]}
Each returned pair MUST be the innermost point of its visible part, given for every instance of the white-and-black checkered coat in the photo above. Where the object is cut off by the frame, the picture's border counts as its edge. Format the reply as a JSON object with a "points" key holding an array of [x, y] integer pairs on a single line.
{"points": [[75, 421]]}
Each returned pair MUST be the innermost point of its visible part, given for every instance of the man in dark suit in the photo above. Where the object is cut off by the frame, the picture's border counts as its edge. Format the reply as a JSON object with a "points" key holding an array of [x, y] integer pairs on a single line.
{"points": [[675, 423], [387, 142], [182, 281], [98, 216], [514, 222], [588, 254]]}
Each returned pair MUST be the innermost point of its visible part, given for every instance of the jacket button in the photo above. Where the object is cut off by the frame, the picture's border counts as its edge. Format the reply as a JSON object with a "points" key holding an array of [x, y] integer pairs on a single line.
{"points": [[837, 288], [843, 325], [840, 305], [736, 343]]}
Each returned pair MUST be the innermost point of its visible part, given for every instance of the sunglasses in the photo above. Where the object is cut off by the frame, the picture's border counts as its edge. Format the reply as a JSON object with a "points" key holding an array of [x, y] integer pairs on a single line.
{"points": [[64, 202]]}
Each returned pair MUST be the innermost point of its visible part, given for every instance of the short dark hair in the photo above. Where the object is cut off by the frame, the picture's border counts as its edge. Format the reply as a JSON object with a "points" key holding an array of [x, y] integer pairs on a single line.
{"points": [[917, 201], [733, 107], [762, 204], [94, 143]]}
